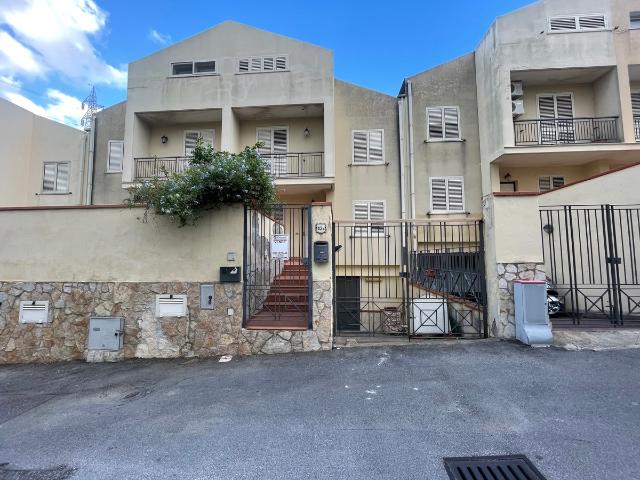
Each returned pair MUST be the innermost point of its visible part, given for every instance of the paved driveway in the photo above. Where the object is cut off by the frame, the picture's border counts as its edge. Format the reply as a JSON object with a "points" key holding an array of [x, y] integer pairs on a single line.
{"points": [[357, 414]]}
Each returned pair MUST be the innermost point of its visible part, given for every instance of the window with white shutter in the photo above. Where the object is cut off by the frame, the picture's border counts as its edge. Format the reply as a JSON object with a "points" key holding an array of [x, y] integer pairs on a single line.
{"points": [[577, 23], [274, 145], [549, 182], [443, 124], [635, 103], [372, 211], [447, 194], [634, 20], [191, 138], [267, 63], [368, 147], [115, 150], [555, 111], [55, 177]]}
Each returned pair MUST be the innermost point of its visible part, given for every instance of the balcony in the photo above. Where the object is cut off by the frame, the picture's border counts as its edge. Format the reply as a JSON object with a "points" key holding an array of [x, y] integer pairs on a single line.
{"points": [[282, 165], [567, 131], [295, 165]]}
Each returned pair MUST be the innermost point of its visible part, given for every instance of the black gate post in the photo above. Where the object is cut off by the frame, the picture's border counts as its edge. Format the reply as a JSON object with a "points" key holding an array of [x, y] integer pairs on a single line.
{"points": [[483, 282], [571, 261], [612, 266], [245, 270]]}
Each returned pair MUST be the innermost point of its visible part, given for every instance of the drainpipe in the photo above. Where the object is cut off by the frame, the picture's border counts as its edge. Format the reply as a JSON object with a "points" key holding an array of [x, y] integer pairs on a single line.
{"points": [[83, 166], [412, 192], [91, 160], [403, 201]]}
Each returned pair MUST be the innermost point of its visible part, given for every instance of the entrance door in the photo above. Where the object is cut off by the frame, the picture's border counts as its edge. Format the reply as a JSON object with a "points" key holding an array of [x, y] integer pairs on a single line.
{"points": [[348, 303]]}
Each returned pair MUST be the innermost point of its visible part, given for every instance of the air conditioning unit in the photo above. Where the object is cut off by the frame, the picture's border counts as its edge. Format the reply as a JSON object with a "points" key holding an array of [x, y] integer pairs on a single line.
{"points": [[430, 316], [516, 89], [517, 108]]}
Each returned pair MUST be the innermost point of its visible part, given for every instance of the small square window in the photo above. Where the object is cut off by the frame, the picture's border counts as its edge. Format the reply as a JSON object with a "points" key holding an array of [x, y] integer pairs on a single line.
{"points": [[183, 68], [634, 20], [205, 67], [55, 177]]}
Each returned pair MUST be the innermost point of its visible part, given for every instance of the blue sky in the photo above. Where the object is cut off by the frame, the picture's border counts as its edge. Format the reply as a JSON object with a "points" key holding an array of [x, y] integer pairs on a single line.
{"points": [[52, 50]]}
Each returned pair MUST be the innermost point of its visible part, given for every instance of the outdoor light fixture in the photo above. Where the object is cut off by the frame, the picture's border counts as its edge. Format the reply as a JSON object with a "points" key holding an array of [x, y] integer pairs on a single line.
{"points": [[507, 176], [306, 132], [164, 139]]}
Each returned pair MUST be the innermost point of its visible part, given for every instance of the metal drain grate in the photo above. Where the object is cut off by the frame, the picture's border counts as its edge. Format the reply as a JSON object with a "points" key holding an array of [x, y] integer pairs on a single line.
{"points": [[505, 467]]}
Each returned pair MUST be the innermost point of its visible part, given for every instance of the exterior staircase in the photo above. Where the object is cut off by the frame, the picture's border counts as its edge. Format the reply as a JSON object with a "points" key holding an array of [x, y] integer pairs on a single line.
{"points": [[286, 306]]}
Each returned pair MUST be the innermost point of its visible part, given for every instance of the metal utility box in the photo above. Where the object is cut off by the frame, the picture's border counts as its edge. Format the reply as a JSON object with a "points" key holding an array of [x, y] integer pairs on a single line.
{"points": [[230, 274], [321, 252], [532, 315], [206, 297], [106, 333]]}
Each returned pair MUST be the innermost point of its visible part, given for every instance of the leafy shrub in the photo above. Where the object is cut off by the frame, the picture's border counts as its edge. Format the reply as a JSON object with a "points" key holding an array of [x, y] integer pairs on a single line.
{"points": [[210, 181]]}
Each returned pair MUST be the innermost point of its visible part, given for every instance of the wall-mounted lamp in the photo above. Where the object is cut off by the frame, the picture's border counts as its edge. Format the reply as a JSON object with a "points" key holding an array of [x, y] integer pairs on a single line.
{"points": [[306, 132], [507, 176], [164, 139]]}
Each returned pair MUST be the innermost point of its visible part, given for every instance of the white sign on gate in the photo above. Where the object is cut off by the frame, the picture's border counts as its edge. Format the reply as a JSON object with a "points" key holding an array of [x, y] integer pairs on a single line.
{"points": [[280, 247]]}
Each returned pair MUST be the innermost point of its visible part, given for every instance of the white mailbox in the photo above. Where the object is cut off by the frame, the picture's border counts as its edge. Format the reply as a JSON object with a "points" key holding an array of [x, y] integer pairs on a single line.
{"points": [[34, 311], [171, 305], [532, 315]]}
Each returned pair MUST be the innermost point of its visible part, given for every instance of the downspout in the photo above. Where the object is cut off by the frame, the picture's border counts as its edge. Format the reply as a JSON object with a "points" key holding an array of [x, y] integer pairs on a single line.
{"points": [[91, 161], [83, 167], [403, 200], [412, 192]]}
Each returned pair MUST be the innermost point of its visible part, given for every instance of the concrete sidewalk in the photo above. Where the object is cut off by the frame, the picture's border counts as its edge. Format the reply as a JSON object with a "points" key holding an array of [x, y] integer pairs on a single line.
{"points": [[387, 412]]}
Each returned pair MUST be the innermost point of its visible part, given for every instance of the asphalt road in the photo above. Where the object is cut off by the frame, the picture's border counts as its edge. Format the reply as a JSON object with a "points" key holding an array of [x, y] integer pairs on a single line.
{"points": [[390, 413]]}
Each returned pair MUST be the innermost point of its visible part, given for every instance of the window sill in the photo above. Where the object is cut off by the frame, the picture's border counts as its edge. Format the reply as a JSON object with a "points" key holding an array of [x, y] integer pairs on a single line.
{"points": [[109, 172], [195, 75], [453, 140], [368, 164], [448, 212], [267, 71], [592, 30], [54, 193]]}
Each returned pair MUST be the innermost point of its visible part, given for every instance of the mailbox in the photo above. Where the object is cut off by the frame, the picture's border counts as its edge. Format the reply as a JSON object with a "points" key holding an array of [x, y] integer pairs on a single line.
{"points": [[230, 274], [532, 317], [321, 252]]}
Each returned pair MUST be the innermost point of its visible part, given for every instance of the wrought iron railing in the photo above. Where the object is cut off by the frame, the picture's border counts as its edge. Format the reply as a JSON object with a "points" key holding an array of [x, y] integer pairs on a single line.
{"points": [[286, 165], [636, 127], [150, 167], [566, 131]]}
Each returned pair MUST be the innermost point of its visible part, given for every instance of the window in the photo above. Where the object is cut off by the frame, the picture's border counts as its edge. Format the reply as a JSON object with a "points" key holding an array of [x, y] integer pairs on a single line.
{"points": [[369, 210], [549, 182], [55, 178], [577, 23], [190, 68], [555, 111], [368, 147], [191, 138], [115, 156], [634, 20], [274, 146], [635, 103], [268, 63], [443, 124], [447, 194]]}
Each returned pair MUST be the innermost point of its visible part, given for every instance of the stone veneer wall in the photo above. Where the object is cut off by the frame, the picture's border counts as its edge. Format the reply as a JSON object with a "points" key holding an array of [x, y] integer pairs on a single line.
{"points": [[505, 325], [201, 333]]}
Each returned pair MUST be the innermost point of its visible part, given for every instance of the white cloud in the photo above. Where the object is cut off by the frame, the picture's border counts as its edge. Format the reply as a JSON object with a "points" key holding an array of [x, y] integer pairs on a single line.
{"points": [[159, 38], [60, 106], [56, 36]]}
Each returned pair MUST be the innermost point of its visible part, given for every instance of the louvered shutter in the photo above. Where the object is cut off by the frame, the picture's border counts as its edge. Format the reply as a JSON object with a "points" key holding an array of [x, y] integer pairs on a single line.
{"points": [[360, 143], [434, 116], [268, 64], [557, 182], [49, 177], [62, 178], [455, 191], [376, 214], [544, 184], [281, 63], [562, 24], [375, 146], [547, 109], [190, 141], [116, 155], [635, 103], [360, 212], [280, 149], [438, 195], [547, 106], [451, 123], [592, 22], [566, 130], [565, 106], [256, 64], [263, 135], [243, 65]]}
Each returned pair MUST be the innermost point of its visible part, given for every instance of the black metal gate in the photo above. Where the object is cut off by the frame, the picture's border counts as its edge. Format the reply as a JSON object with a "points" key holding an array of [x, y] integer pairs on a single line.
{"points": [[591, 260], [419, 279], [277, 271]]}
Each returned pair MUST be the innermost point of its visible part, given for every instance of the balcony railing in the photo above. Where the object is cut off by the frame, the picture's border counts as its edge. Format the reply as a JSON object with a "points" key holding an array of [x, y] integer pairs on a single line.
{"points": [[636, 127], [566, 131], [149, 167], [292, 165], [282, 165]]}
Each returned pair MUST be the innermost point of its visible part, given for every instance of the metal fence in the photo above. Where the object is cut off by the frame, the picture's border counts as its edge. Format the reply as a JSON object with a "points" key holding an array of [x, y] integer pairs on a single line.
{"points": [[409, 278], [150, 167], [284, 165], [591, 258], [557, 131]]}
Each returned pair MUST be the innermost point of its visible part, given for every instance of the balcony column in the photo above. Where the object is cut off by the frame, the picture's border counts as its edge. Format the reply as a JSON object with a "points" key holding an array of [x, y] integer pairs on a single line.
{"points": [[230, 135], [626, 110]]}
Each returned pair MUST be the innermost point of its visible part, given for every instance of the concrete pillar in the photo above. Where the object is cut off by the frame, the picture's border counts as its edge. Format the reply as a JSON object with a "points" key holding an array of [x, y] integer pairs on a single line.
{"points": [[322, 302], [626, 110], [230, 135]]}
